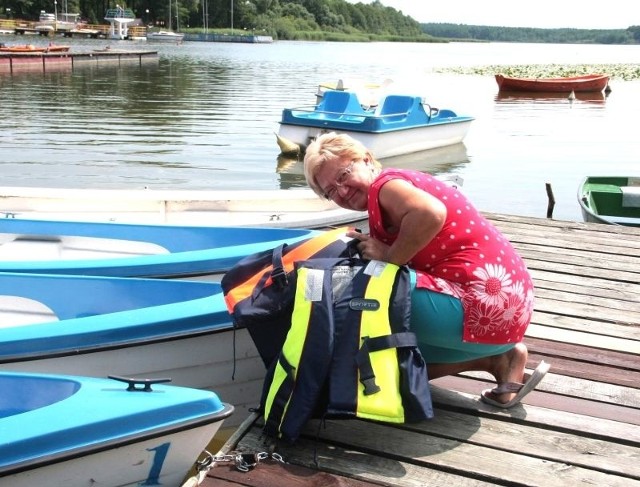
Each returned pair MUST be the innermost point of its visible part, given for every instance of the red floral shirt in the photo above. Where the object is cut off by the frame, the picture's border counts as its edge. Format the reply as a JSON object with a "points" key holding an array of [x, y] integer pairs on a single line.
{"points": [[469, 259]]}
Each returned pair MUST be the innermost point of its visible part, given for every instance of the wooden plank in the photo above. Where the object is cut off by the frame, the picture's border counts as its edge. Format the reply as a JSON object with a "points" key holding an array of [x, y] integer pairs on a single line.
{"points": [[447, 392], [535, 261], [579, 257], [369, 469], [595, 372], [269, 474], [548, 396], [572, 242], [562, 292], [442, 453], [550, 225], [603, 286], [588, 339], [623, 295], [586, 325], [587, 358], [589, 307], [555, 445], [581, 388]]}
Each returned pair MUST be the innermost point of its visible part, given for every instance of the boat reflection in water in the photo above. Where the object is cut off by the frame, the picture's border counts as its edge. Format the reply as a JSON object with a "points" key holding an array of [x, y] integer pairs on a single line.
{"points": [[595, 97], [439, 161]]}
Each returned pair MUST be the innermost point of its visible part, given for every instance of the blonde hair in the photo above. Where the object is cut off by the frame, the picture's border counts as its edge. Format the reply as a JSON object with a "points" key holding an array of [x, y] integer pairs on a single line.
{"points": [[331, 148]]}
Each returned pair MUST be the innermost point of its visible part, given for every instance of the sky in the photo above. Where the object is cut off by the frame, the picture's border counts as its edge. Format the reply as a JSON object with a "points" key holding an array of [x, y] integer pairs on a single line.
{"points": [[549, 14]]}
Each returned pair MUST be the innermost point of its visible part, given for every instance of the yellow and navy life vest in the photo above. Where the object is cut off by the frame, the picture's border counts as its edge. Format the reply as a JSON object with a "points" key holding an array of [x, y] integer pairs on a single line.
{"points": [[349, 352]]}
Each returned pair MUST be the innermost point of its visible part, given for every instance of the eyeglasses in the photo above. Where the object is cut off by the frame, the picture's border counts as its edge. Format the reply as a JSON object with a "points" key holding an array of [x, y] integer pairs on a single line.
{"points": [[341, 178]]}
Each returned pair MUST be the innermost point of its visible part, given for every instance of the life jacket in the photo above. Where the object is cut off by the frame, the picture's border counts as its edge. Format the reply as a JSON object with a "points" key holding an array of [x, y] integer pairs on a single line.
{"points": [[257, 292], [349, 352]]}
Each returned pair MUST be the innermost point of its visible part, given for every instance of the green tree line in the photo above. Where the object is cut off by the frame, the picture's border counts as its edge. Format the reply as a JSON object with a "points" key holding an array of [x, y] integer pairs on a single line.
{"points": [[283, 19], [326, 20], [462, 32]]}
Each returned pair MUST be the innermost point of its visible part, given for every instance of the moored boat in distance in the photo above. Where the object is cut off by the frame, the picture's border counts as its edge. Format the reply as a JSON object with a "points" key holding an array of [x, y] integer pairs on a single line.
{"points": [[49, 23], [165, 36], [610, 199], [72, 430], [30, 48], [584, 83], [399, 124]]}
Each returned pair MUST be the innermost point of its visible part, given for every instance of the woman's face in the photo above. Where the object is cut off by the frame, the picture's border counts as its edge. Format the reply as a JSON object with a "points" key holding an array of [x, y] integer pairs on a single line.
{"points": [[346, 182]]}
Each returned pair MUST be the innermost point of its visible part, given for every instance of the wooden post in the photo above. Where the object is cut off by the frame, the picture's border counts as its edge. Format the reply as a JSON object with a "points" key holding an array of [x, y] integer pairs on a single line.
{"points": [[551, 200]]}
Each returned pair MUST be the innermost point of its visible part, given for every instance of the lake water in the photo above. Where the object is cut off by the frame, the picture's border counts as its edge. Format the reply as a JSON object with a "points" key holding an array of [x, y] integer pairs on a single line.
{"points": [[204, 116]]}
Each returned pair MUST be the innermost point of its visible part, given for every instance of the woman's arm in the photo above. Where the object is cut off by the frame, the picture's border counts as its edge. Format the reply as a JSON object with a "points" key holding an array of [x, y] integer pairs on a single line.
{"points": [[416, 217]]}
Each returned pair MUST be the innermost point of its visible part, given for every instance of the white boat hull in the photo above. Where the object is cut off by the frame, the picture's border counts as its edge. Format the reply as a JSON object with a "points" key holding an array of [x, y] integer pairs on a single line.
{"points": [[200, 362], [388, 144], [75, 431], [126, 466], [164, 36], [277, 208]]}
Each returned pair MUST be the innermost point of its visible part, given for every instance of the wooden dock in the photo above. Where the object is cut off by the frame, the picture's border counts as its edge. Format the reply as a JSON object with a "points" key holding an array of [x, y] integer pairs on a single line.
{"points": [[580, 427], [12, 63]]}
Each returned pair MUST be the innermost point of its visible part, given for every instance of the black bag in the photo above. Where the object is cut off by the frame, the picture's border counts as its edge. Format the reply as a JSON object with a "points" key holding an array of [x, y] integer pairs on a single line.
{"points": [[257, 290]]}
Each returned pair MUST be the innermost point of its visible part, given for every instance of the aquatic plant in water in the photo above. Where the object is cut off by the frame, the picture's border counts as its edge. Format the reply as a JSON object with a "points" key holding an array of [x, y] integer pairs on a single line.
{"points": [[626, 72]]}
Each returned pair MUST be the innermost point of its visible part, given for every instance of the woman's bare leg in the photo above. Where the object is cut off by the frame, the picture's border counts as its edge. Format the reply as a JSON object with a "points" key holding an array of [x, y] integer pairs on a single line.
{"points": [[506, 367]]}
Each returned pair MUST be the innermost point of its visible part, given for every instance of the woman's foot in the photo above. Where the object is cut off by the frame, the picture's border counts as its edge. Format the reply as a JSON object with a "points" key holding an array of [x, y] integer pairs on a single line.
{"points": [[508, 370]]}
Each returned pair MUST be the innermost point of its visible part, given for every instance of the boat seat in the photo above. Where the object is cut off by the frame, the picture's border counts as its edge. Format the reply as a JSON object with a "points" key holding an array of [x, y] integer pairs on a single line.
{"points": [[398, 107], [39, 249], [630, 196], [19, 311], [335, 104]]}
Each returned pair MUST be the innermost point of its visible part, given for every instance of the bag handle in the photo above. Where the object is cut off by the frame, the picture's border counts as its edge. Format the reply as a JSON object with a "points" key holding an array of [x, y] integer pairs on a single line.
{"points": [[277, 274]]}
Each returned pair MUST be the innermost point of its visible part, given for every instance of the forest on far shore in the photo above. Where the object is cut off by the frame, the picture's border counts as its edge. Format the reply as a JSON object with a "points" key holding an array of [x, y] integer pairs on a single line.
{"points": [[312, 20], [462, 32]]}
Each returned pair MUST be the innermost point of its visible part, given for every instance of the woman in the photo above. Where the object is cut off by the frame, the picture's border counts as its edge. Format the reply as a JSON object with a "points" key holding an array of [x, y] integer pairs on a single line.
{"points": [[473, 295]]}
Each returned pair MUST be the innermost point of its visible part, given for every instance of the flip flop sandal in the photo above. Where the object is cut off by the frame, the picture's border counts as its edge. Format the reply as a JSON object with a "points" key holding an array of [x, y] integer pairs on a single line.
{"points": [[521, 389]]}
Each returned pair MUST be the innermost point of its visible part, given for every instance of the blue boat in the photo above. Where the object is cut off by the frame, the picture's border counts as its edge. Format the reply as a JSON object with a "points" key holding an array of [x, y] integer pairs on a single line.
{"points": [[69, 430], [132, 250], [399, 124], [99, 326]]}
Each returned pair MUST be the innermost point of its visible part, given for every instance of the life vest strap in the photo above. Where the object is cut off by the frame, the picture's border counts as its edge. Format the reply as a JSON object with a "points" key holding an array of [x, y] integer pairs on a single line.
{"points": [[375, 344]]}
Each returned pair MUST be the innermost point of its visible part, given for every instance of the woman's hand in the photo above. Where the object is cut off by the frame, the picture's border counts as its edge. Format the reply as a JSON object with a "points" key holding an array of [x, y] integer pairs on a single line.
{"points": [[370, 248]]}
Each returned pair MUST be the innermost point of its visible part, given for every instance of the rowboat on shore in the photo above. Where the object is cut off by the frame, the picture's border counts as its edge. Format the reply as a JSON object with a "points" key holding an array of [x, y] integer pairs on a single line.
{"points": [[70, 430], [585, 83], [399, 124], [239, 208], [132, 250], [610, 199], [100, 326]]}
